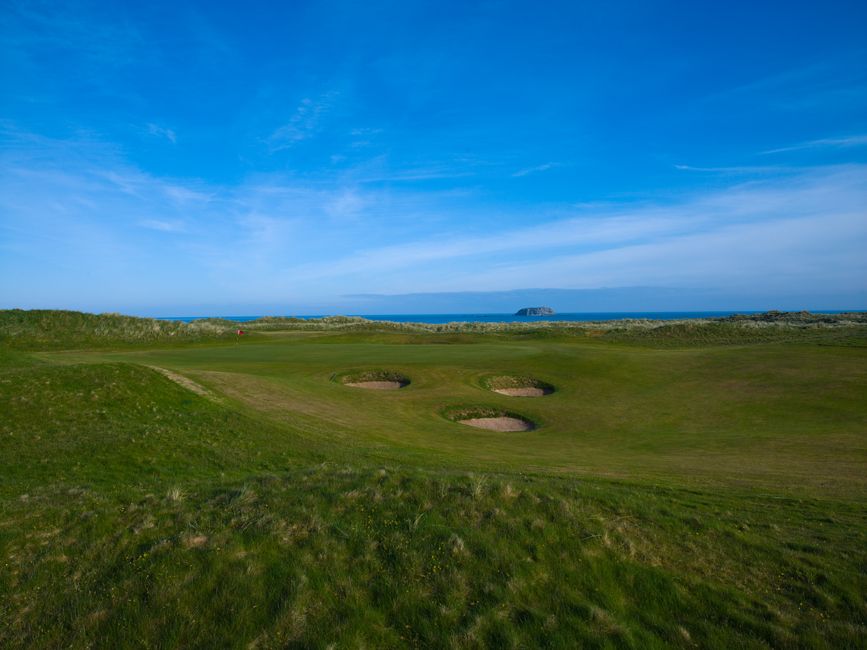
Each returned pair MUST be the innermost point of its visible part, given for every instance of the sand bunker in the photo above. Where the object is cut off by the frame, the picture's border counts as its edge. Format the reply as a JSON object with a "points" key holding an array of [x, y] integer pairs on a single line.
{"points": [[377, 385], [526, 391], [487, 417], [502, 423]]}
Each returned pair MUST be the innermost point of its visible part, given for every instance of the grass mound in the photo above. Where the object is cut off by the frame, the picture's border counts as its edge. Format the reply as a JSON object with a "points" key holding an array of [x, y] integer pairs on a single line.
{"points": [[116, 424], [517, 385], [489, 417], [374, 378], [51, 329]]}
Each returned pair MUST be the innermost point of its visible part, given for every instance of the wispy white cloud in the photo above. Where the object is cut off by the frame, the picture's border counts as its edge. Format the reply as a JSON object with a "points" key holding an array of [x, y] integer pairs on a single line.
{"points": [[382, 169], [162, 225], [347, 204], [811, 253], [736, 170], [822, 84], [824, 143], [272, 236], [411, 174], [304, 123], [538, 169], [34, 27], [783, 79], [363, 136], [163, 132], [612, 245]]}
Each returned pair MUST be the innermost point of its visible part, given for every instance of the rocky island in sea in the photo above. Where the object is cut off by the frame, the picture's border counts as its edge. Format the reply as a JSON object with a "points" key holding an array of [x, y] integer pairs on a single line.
{"points": [[535, 311]]}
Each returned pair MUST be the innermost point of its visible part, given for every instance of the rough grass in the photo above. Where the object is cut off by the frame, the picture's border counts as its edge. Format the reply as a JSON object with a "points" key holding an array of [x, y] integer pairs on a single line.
{"points": [[57, 329], [379, 557], [498, 382], [678, 496], [373, 374]]}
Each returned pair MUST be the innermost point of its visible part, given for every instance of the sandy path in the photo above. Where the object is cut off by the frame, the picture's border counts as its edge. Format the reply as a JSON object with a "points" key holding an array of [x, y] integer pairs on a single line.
{"points": [[186, 382]]}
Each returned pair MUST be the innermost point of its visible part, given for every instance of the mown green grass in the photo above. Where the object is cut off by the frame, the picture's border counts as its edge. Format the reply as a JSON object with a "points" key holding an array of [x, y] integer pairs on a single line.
{"points": [[778, 417], [672, 496]]}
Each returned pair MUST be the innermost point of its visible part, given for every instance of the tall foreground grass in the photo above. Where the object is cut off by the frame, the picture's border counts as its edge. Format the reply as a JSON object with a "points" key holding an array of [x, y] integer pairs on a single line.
{"points": [[366, 556]]}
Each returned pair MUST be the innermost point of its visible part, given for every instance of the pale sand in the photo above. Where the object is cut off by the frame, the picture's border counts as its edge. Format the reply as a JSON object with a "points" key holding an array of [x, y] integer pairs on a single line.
{"points": [[376, 385], [526, 391], [499, 424]]}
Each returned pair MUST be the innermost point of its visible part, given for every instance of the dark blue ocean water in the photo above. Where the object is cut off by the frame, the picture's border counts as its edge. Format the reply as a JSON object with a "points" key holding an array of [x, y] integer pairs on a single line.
{"points": [[509, 318]]}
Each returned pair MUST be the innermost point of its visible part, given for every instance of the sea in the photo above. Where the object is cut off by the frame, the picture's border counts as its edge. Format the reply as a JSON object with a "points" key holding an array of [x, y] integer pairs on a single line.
{"points": [[508, 318]]}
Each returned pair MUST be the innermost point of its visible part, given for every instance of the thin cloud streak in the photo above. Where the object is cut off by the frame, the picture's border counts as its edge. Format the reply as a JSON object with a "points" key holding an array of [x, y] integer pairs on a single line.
{"points": [[162, 226], [538, 169], [807, 252], [768, 169], [813, 194], [304, 123], [161, 131], [824, 143]]}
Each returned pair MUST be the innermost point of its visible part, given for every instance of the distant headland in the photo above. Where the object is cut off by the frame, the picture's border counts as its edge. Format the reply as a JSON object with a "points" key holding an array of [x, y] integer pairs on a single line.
{"points": [[535, 311]]}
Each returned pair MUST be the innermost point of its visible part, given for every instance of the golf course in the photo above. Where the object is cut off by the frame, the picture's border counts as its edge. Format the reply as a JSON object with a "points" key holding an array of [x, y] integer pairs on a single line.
{"points": [[349, 483]]}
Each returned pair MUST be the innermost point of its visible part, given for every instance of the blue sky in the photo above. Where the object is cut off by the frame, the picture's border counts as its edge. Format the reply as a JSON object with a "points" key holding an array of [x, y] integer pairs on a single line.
{"points": [[302, 157]]}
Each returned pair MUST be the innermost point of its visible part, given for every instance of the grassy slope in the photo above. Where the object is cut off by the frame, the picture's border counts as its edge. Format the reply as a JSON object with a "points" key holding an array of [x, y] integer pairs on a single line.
{"points": [[134, 512]]}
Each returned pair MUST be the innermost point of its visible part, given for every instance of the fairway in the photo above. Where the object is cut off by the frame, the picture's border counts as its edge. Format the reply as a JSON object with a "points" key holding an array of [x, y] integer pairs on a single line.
{"points": [[674, 487], [778, 417]]}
